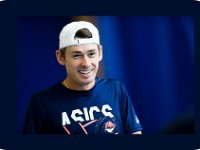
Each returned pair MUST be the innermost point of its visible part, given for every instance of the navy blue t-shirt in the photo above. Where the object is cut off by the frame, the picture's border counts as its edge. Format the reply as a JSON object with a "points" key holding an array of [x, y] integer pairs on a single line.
{"points": [[104, 109]]}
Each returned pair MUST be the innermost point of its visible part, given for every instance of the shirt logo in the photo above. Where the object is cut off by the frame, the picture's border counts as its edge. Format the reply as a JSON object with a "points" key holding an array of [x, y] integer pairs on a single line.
{"points": [[109, 127], [87, 114]]}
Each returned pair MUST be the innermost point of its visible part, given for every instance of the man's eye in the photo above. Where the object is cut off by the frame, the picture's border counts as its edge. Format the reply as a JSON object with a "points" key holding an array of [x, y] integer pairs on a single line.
{"points": [[76, 56], [92, 54]]}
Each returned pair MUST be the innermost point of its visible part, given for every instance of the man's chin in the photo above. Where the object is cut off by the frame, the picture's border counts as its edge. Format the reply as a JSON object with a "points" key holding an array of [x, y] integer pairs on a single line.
{"points": [[87, 81]]}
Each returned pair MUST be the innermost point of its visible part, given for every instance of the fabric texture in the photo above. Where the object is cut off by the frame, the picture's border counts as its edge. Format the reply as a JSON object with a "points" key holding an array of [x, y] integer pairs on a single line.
{"points": [[104, 109]]}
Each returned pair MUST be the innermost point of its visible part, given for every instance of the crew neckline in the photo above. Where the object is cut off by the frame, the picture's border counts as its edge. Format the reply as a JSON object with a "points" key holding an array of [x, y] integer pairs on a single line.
{"points": [[79, 92]]}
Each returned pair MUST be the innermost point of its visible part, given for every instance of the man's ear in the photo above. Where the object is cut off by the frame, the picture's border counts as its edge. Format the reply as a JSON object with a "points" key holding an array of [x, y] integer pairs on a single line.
{"points": [[60, 58], [100, 47]]}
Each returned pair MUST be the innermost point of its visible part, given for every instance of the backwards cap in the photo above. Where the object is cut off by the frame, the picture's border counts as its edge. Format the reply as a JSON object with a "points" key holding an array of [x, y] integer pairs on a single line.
{"points": [[68, 32]]}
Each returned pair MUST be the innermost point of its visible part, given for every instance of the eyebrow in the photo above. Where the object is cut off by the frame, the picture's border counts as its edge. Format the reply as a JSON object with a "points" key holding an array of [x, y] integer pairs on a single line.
{"points": [[92, 50], [75, 52], [78, 52]]}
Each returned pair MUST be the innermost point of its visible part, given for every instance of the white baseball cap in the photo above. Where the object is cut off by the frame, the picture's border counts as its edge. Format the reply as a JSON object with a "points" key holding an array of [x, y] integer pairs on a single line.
{"points": [[68, 32]]}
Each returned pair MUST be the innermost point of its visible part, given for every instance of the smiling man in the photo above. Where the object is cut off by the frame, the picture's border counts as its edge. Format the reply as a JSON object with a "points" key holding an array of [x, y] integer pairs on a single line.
{"points": [[82, 103]]}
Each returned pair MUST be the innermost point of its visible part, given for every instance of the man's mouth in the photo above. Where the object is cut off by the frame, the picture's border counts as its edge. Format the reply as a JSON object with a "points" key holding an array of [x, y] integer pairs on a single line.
{"points": [[84, 72]]}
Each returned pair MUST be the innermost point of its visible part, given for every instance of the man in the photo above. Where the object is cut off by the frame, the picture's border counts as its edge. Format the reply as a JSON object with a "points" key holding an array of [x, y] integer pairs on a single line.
{"points": [[82, 103]]}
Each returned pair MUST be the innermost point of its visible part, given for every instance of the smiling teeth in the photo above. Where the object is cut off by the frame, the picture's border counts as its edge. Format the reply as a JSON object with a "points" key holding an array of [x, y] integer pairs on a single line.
{"points": [[85, 72]]}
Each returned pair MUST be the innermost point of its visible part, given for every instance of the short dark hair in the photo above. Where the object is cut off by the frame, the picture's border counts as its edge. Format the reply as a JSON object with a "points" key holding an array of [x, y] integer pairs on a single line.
{"points": [[82, 33]]}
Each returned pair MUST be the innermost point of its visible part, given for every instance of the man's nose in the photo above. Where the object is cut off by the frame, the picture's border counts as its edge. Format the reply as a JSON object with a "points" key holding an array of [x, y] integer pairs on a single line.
{"points": [[85, 62]]}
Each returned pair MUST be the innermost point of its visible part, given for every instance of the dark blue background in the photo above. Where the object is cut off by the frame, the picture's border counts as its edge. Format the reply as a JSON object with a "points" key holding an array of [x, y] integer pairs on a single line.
{"points": [[153, 56]]}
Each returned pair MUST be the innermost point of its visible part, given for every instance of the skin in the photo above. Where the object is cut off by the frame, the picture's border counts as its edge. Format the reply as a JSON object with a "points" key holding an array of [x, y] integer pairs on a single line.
{"points": [[81, 63]]}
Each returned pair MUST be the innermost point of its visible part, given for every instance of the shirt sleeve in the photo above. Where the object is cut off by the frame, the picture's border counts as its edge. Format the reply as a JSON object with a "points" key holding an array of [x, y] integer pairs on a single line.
{"points": [[33, 118], [130, 120]]}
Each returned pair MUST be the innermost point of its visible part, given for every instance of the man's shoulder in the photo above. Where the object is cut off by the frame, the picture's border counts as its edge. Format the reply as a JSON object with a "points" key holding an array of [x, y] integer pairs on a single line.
{"points": [[109, 81], [48, 92]]}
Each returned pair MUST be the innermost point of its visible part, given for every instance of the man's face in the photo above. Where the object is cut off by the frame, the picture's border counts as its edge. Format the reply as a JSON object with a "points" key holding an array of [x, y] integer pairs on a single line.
{"points": [[82, 63]]}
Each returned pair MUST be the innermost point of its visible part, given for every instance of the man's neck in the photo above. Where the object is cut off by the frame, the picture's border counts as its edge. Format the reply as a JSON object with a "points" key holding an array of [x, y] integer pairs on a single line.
{"points": [[79, 87]]}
